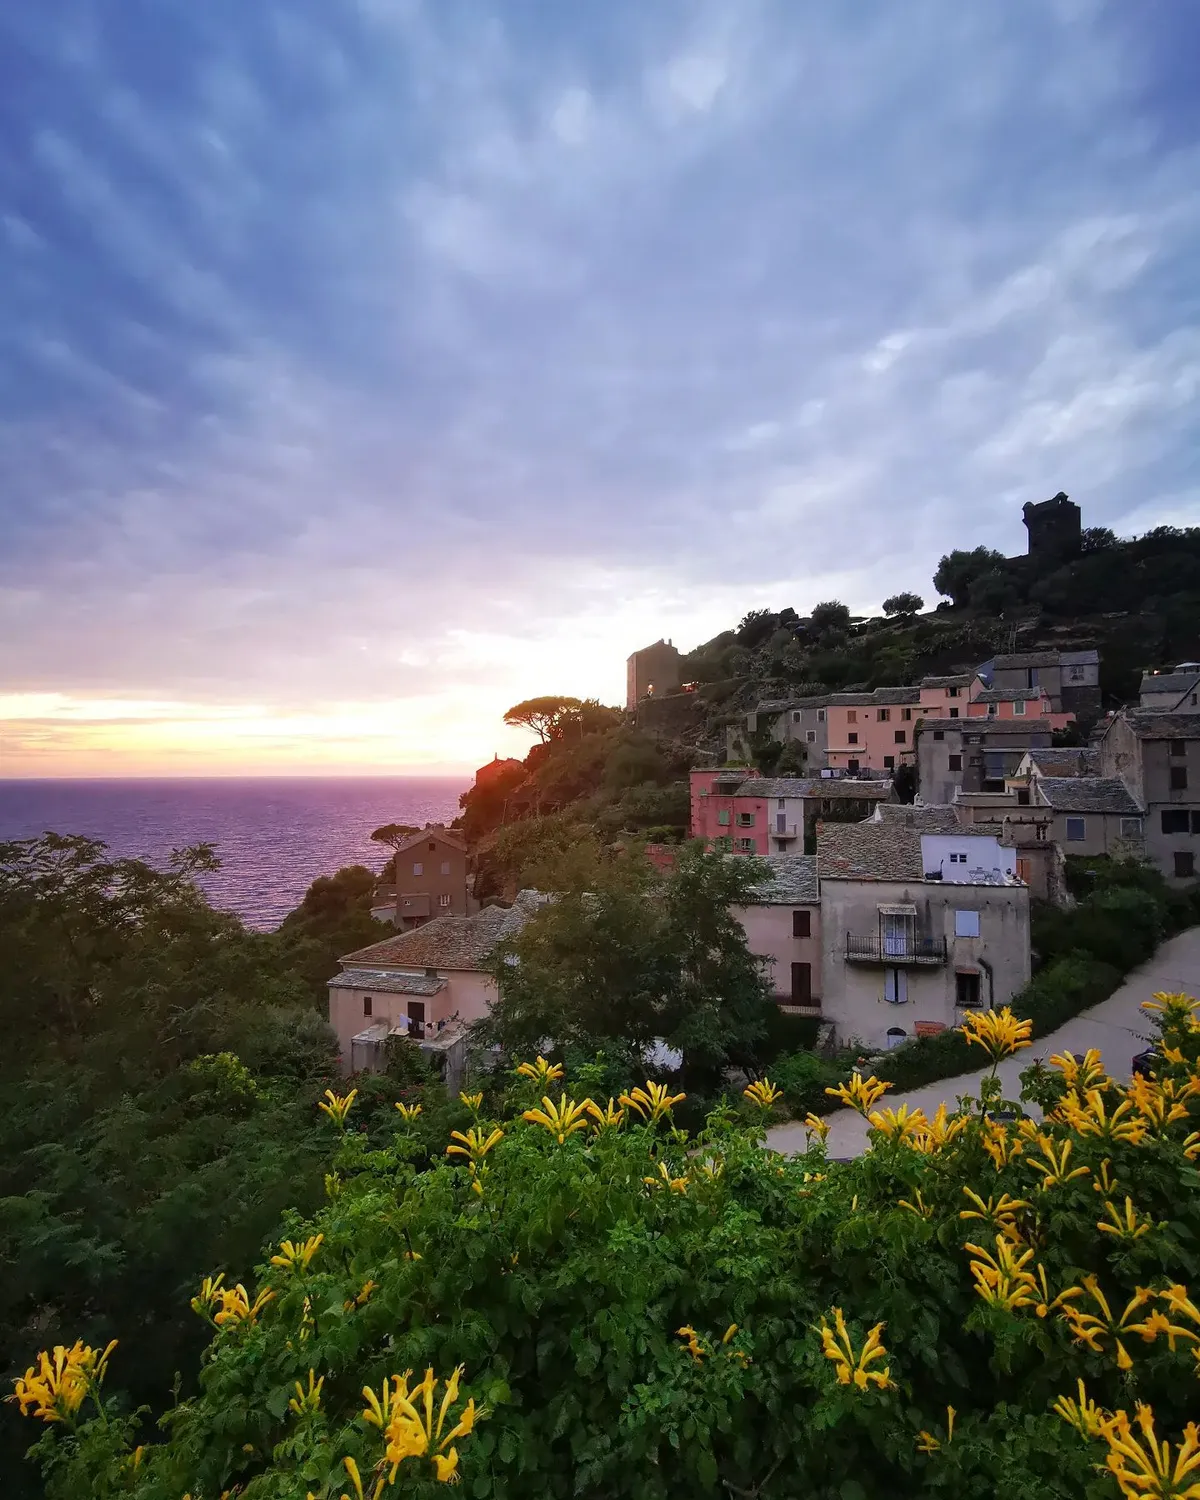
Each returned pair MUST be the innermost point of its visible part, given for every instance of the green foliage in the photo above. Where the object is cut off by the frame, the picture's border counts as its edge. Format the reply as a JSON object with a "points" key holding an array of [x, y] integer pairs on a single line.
{"points": [[639, 1314], [830, 614], [542, 715], [958, 570], [333, 919], [903, 604]]}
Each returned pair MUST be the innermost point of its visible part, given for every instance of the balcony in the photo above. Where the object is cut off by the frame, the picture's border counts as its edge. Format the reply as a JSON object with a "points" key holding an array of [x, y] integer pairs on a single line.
{"points": [[786, 831], [896, 952]]}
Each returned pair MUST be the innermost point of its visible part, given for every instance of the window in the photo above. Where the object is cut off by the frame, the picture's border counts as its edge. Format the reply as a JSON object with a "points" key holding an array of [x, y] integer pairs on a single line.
{"points": [[959, 859], [896, 1037], [853, 738], [416, 1018], [953, 692], [444, 900], [1075, 674], [884, 715], [820, 716], [802, 984], [1131, 828], [723, 818], [889, 762], [954, 713], [1175, 820], [954, 762], [906, 714], [366, 1005], [811, 736], [852, 765], [1179, 778], [1196, 822], [745, 820], [1076, 830], [445, 867], [796, 716], [991, 710], [432, 847], [939, 734], [801, 924], [966, 989], [966, 923], [781, 804], [1022, 796], [1177, 749], [900, 736], [746, 846], [895, 986], [418, 869], [1185, 865], [1019, 708], [851, 716]]}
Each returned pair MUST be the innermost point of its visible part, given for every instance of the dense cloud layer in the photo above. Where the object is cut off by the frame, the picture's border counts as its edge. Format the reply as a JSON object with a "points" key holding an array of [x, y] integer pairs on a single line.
{"points": [[369, 365]]}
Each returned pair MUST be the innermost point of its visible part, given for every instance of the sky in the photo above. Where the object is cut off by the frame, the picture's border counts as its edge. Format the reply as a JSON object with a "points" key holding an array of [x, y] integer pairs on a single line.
{"points": [[369, 365]]}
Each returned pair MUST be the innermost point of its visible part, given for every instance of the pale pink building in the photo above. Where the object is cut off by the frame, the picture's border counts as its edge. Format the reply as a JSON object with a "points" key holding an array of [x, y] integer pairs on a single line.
{"points": [[744, 813], [783, 928], [1033, 704], [872, 731]]}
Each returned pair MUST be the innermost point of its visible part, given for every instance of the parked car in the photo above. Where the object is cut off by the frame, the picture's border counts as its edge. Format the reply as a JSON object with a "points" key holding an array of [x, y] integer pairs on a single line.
{"points": [[1144, 1063]]}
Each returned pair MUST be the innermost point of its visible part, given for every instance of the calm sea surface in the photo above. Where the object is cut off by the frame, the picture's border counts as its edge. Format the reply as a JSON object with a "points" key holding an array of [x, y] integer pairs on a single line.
{"points": [[274, 837]]}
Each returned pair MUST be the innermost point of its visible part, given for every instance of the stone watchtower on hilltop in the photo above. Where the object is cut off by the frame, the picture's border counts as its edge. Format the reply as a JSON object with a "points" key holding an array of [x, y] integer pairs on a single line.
{"points": [[1055, 531]]}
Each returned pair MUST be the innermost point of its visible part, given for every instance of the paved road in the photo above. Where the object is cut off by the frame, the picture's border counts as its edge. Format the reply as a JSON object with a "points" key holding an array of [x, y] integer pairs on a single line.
{"points": [[1118, 1027]]}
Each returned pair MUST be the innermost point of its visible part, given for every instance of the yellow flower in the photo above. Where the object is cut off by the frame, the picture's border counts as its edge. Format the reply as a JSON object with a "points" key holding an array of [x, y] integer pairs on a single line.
{"points": [[934, 1134], [997, 1215], [55, 1388], [998, 1144], [1093, 1329], [1091, 1117], [1054, 1165], [1177, 1007], [896, 1124], [1156, 1102], [1049, 1304], [355, 1478], [297, 1256], [1003, 1280], [338, 1106], [561, 1119], [1126, 1226], [998, 1032], [1105, 1182], [406, 1419], [408, 1112], [333, 1185], [236, 1306], [652, 1102], [1087, 1074], [764, 1094], [664, 1179], [920, 1207], [541, 1071], [1084, 1415], [1191, 1146], [473, 1143], [1142, 1466], [862, 1094], [474, 1102], [307, 1400], [927, 1443], [854, 1369], [692, 1341], [815, 1125], [211, 1291], [609, 1118]]}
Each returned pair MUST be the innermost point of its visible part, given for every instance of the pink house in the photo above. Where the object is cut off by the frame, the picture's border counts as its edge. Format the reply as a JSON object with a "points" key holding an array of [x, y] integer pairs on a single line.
{"points": [[872, 731], [945, 697], [722, 808], [1015, 703]]}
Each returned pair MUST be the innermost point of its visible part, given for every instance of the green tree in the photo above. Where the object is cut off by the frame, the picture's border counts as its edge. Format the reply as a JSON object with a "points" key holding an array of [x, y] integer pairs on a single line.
{"points": [[394, 834], [830, 614], [542, 715], [333, 919], [903, 605], [958, 570]]}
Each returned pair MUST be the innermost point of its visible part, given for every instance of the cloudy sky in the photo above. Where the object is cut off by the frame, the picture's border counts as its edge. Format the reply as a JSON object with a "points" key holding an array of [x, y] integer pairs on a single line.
{"points": [[369, 364]]}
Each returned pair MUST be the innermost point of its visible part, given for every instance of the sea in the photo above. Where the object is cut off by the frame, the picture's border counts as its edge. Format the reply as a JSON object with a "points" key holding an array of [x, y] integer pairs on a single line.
{"points": [[273, 836]]}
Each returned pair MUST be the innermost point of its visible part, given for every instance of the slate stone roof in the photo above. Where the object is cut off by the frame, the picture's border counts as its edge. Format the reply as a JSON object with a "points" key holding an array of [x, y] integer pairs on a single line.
{"points": [[1089, 658], [450, 836], [1101, 794], [1148, 725], [1027, 659], [984, 725], [449, 942], [1169, 682], [1066, 760], [881, 697], [868, 851], [924, 817], [1006, 695], [386, 982], [963, 679], [813, 786], [792, 881]]}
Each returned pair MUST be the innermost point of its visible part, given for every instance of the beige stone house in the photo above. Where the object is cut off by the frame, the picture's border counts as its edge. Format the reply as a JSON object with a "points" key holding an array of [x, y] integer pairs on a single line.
{"points": [[783, 927], [916, 928], [1176, 692], [1091, 814], [1157, 756], [420, 983], [431, 879], [973, 754]]}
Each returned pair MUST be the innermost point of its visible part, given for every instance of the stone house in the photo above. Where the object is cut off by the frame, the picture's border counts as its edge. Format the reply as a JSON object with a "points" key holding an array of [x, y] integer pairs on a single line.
{"points": [[973, 754], [916, 928], [1172, 692], [1157, 756], [750, 814], [651, 672], [783, 927], [1091, 814], [430, 879]]}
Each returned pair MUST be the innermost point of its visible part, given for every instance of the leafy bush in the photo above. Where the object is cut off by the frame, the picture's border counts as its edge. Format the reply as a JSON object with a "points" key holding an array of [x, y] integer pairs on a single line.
{"points": [[607, 1306]]}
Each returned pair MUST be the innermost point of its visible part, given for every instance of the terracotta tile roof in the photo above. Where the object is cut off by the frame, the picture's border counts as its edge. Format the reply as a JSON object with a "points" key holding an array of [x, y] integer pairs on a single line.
{"points": [[449, 942], [1102, 794]]}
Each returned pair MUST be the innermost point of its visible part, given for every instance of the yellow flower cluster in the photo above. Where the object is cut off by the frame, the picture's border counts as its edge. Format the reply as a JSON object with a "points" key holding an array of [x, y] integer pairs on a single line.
{"points": [[764, 1094], [561, 1119], [221, 1304], [338, 1106], [474, 1102], [927, 1443], [1004, 1279], [862, 1094], [1143, 1465], [297, 1255], [474, 1145], [408, 1112], [541, 1071], [998, 1032], [405, 1417], [54, 1389], [701, 1348], [652, 1102], [664, 1179], [855, 1368], [309, 1400]]}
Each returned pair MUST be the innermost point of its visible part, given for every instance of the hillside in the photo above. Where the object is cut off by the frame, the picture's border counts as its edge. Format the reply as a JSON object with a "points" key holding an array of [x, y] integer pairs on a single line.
{"points": [[605, 776]]}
